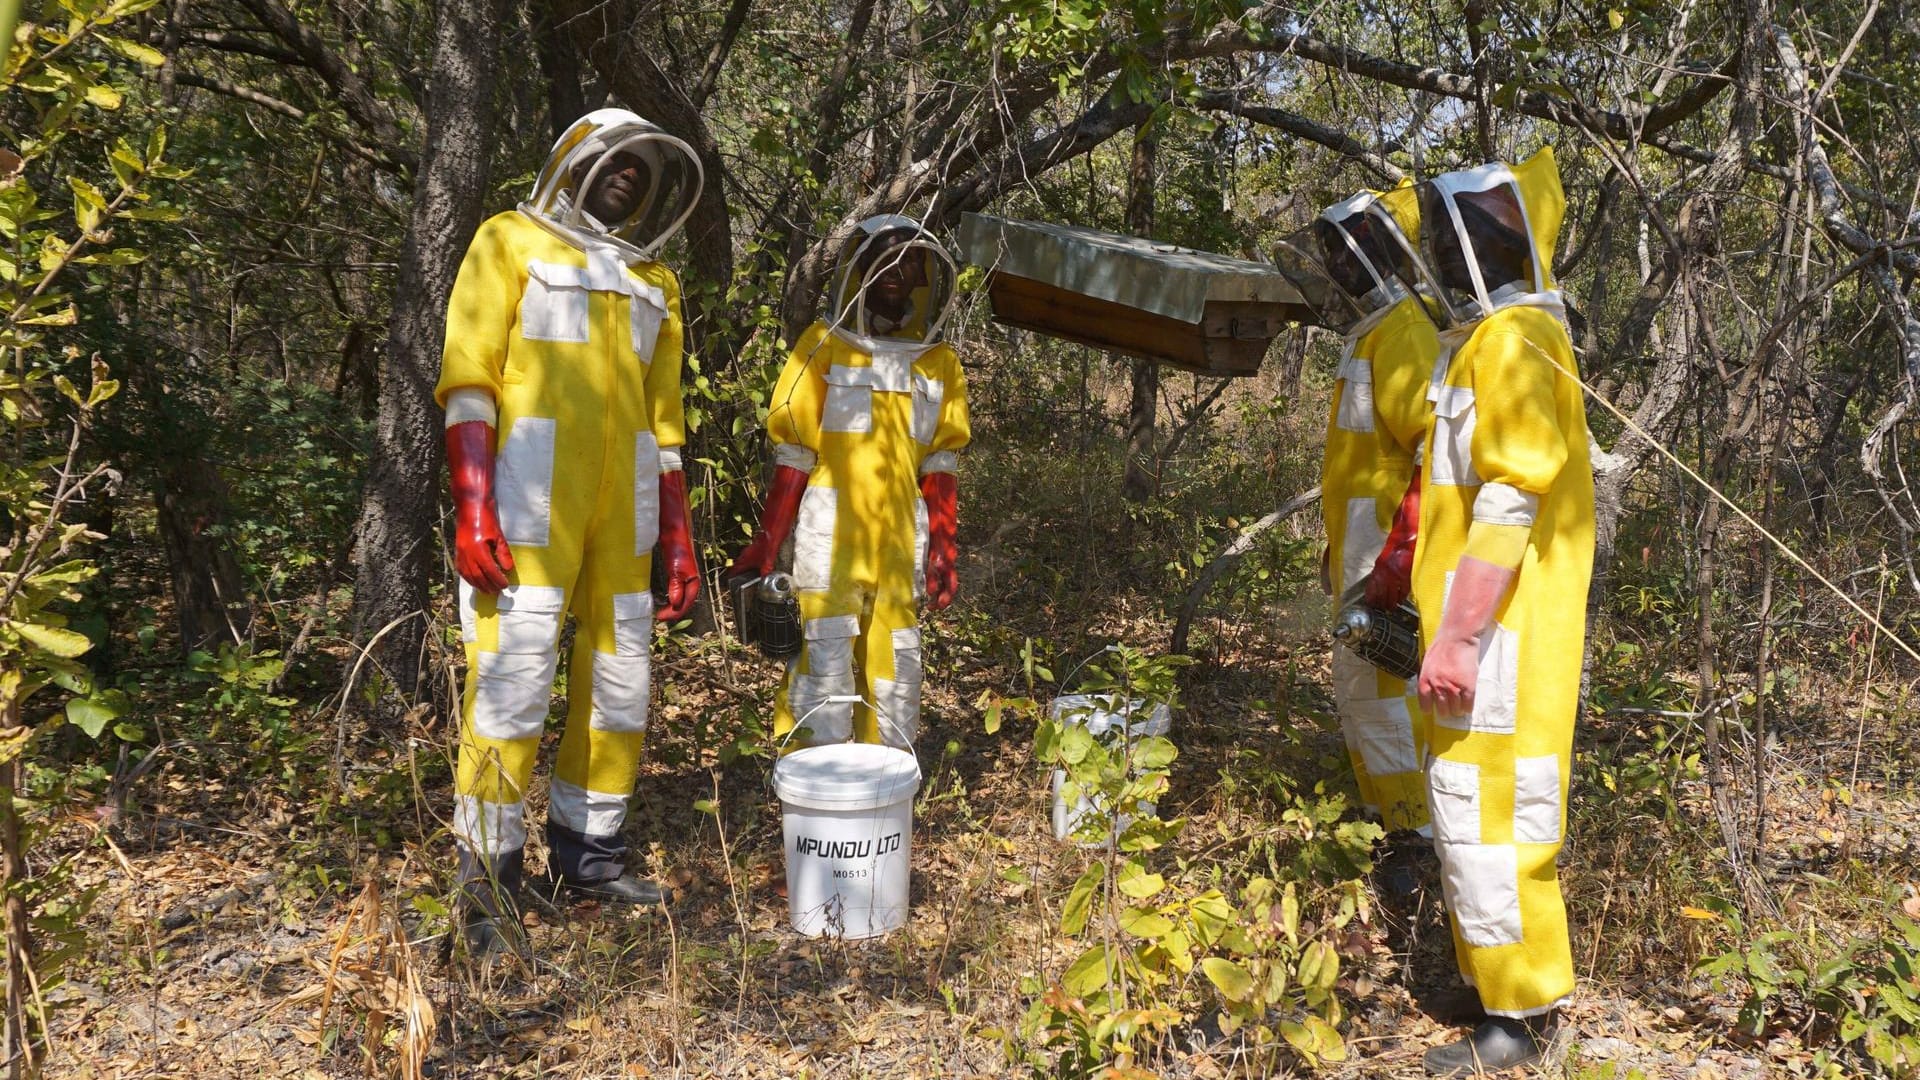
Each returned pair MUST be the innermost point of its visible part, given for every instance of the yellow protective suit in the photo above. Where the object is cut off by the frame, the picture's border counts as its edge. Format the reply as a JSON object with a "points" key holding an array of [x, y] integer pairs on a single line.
{"points": [[864, 416], [1508, 481], [577, 337], [1364, 473]]}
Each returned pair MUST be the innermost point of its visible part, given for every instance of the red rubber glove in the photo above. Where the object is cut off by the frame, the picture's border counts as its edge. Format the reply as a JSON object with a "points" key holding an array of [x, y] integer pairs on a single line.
{"points": [[480, 552], [1392, 577], [674, 550], [942, 493], [776, 522], [1450, 672]]}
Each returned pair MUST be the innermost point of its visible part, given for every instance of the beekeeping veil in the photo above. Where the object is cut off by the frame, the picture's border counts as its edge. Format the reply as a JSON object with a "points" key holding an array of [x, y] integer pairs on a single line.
{"points": [[671, 189], [1357, 260], [1488, 236], [877, 245]]}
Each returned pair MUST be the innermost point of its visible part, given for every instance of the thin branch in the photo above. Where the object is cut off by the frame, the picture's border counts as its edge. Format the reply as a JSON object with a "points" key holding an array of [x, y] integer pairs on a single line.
{"points": [[1303, 127], [286, 109]]}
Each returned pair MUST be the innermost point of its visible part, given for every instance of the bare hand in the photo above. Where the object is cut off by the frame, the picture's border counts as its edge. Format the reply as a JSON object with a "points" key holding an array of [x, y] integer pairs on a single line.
{"points": [[1448, 675]]}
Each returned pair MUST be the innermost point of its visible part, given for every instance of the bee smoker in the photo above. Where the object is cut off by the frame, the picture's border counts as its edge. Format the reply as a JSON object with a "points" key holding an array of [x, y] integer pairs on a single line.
{"points": [[1389, 640], [766, 613]]}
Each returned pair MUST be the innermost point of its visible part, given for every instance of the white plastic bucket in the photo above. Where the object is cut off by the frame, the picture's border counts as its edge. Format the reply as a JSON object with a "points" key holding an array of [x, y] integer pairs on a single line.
{"points": [[847, 812], [1103, 717]]}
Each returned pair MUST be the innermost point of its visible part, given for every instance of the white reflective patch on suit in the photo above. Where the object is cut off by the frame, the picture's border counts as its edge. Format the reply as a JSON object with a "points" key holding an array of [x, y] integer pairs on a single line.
{"points": [[529, 618], [813, 538], [794, 456], [940, 461], [1481, 883], [897, 700], [849, 404], [489, 828], [670, 460], [510, 694], [646, 493], [824, 669], [619, 692], [897, 712], [1496, 688], [1355, 386], [830, 644], [1453, 790], [891, 372], [1385, 731], [632, 623], [554, 307], [1361, 543], [591, 813], [1453, 420], [927, 396], [523, 481], [907, 665], [1504, 504], [1536, 800], [469, 614], [921, 532], [647, 310], [1353, 678]]}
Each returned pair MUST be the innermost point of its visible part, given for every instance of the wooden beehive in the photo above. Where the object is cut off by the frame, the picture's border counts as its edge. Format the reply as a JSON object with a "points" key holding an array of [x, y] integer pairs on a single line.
{"points": [[1192, 309]]}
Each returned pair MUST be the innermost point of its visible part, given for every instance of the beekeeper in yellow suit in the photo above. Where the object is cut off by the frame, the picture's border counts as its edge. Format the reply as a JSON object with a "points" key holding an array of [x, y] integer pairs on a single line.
{"points": [[561, 383], [1356, 263], [1504, 557], [866, 423]]}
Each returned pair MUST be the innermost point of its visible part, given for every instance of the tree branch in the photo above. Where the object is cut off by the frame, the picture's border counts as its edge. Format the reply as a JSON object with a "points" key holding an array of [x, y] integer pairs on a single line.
{"points": [[356, 96], [1303, 127], [287, 109], [717, 55]]}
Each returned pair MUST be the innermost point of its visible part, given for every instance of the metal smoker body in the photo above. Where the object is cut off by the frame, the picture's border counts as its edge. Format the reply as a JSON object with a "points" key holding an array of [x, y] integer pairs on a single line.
{"points": [[1389, 640], [766, 613]]}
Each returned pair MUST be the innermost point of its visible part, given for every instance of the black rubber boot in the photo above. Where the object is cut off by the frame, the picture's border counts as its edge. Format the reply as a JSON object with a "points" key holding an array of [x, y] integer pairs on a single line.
{"points": [[1500, 1042], [594, 868], [1402, 864], [625, 889], [1454, 1005], [490, 903]]}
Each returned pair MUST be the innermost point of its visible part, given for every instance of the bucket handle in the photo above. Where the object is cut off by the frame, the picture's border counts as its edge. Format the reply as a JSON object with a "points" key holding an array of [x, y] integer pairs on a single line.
{"points": [[879, 715]]}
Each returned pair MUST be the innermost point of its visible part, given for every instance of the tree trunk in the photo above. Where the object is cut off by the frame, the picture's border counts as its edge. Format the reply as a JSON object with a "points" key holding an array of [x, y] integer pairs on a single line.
{"points": [[1142, 477], [209, 596], [397, 554], [560, 63], [23, 1043]]}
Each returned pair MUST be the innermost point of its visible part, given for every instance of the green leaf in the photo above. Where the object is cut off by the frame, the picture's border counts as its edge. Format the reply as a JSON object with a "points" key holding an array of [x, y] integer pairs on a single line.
{"points": [[1331, 1047], [1615, 19], [135, 51], [1076, 743], [91, 714], [103, 96], [1154, 752], [53, 639], [706, 806], [427, 904], [1088, 975], [992, 722], [1079, 903], [1145, 923], [1232, 980], [1135, 882]]}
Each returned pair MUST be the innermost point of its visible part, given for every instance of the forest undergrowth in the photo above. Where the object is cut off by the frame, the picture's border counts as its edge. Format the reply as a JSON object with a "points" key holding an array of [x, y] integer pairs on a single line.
{"points": [[262, 879]]}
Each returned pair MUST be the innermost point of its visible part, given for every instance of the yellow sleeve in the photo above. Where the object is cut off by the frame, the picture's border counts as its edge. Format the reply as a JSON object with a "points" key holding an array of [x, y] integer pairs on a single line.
{"points": [[956, 429], [1519, 445], [799, 400], [481, 313], [664, 401], [1501, 545]]}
